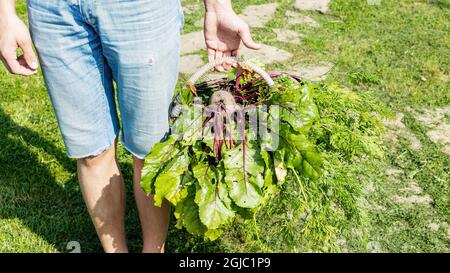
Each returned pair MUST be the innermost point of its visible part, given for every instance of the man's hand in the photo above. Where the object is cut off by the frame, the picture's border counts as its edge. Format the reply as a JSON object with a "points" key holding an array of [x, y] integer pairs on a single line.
{"points": [[14, 34], [225, 31]]}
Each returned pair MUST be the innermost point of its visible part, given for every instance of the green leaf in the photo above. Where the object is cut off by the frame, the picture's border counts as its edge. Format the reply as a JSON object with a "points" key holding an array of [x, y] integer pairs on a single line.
{"points": [[213, 203], [203, 173], [279, 166], [232, 73], [269, 128], [172, 182], [312, 161], [186, 96], [298, 108], [198, 150], [269, 186], [188, 126], [187, 216], [160, 154], [213, 234], [244, 194], [294, 160], [268, 172], [234, 159], [300, 121], [312, 164]]}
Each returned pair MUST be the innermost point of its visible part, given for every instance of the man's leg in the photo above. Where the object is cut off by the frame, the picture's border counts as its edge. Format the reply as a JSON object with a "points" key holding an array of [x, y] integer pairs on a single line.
{"points": [[141, 44], [104, 193], [79, 82], [154, 220]]}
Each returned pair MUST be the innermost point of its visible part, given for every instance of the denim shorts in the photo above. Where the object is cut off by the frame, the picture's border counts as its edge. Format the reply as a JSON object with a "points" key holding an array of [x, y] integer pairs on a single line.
{"points": [[85, 46]]}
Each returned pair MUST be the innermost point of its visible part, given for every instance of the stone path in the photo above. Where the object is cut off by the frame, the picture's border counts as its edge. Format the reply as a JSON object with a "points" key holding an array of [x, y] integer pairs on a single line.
{"points": [[190, 63], [313, 73], [257, 16], [436, 121], [413, 200], [192, 42], [317, 5], [397, 129], [267, 54], [296, 18], [288, 36]]}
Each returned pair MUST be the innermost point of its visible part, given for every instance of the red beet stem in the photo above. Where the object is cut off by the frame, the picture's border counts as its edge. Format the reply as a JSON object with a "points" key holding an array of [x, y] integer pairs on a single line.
{"points": [[238, 77], [244, 147]]}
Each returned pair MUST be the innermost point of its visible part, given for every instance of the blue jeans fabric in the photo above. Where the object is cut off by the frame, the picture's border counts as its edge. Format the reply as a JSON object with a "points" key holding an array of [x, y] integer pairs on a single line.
{"points": [[86, 45]]}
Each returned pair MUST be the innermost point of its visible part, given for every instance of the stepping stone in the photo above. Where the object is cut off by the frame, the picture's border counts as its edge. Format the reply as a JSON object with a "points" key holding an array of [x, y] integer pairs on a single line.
{"points": [[438, 126], [398, 129], [313, 73], [288, 36], [374, 247], [254, 15], [295, 18], [393, 172], [433, 226], [316, 5], [192, 42], [190, 63], [412, 188], [190, 9], [266, 54], [413, 200], [199, 23], [441, 136], [258, 15]]}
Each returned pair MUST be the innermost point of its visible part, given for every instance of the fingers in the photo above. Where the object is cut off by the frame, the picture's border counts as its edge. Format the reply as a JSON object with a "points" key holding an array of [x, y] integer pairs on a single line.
{"points": [[16, 65], [211, 54], [227, 64], [244, 33], [219, 55], [25, 65], [28, 54], [216, 54], [235, 53]]}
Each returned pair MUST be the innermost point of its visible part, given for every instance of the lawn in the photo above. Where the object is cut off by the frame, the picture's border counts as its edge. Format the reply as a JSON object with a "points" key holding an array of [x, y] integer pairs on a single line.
{"points": [[394, 54]]}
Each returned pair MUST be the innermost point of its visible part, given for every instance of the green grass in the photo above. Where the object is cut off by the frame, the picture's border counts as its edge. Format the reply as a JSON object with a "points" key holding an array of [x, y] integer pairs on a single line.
{"points": [[395, 53]]}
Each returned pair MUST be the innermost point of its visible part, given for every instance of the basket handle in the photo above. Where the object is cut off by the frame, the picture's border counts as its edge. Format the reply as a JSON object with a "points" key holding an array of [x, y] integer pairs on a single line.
{"points": [[204, 69]]}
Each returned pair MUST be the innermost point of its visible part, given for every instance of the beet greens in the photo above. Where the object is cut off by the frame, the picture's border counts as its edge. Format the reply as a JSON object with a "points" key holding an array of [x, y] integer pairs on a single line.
{"points": [[214, 166]]}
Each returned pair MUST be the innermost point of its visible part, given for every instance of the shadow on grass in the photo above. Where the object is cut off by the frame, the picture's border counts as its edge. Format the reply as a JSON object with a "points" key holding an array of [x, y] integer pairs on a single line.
{"points": [[441, 4], [29, 191], [54, 210]]}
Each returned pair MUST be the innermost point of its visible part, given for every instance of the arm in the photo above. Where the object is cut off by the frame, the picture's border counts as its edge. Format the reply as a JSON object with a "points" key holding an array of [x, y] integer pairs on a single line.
{"points": [[225, 32], [14, 34]]}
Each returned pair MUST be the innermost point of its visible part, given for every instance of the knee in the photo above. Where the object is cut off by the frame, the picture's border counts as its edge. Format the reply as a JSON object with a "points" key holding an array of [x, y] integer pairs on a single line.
{"points": [[105, 157]]}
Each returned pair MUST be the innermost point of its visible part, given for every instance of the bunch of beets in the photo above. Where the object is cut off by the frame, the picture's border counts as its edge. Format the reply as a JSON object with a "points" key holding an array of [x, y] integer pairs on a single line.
{"points": [[231, 154]]}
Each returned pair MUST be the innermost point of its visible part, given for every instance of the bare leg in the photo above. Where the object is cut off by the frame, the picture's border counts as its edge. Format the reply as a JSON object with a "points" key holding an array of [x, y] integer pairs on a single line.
{"points": [[104, 193], [154, 220]]}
